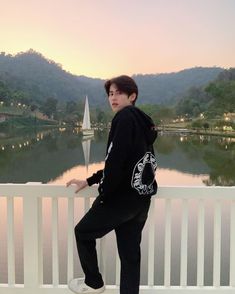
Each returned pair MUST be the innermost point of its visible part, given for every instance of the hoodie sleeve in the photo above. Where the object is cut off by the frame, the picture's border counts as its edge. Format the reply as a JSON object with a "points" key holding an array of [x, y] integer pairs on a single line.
{"points": [[95, 178], [118, 152]]}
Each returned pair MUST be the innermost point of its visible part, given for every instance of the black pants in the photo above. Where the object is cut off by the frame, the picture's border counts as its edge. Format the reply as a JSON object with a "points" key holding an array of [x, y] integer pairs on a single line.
{"points": [[128, 221]]}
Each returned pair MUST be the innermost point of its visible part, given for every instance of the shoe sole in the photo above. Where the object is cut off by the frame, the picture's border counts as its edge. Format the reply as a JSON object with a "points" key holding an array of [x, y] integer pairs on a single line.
{"points": [[97, 291]]}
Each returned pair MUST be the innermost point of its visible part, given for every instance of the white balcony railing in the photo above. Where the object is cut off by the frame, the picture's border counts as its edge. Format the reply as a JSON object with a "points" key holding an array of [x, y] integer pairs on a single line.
{"points": [[33, 194]]}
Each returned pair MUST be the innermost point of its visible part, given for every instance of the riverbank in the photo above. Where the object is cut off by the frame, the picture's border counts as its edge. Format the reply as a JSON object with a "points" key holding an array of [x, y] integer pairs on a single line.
{"points": [[177, 130], [26, 122]]}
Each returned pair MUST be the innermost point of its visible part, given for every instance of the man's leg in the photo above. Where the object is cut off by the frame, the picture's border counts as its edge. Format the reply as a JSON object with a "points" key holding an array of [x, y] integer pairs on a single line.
{"points": [[128, 240], [97, 222]]}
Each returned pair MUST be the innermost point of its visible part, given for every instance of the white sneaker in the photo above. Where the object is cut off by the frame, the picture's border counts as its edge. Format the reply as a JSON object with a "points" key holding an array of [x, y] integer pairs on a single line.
{"points": [[79, 286]]}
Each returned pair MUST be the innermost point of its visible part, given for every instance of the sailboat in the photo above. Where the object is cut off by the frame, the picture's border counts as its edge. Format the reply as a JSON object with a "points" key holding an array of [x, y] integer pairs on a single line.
{"points": [[86, 125]]}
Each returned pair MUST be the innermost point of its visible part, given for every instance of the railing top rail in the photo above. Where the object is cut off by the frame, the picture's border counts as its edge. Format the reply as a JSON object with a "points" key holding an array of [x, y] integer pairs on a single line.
{"points": [[58, 190]]}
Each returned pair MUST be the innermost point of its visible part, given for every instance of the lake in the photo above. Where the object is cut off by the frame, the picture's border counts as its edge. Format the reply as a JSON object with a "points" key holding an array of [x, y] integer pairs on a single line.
{"points": [[56, 156]]}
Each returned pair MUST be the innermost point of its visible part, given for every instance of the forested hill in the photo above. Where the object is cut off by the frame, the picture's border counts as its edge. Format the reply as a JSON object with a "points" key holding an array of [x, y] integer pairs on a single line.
{"points": [[216, 98], [36, 78], [40, 78], [169, 88]]}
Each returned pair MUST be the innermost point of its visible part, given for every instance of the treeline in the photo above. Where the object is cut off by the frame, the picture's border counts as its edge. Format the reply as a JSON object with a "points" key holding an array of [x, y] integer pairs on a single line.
{"points": [[159, 113], [35, 84], [70, 112], [214, 99], [9, 95]]}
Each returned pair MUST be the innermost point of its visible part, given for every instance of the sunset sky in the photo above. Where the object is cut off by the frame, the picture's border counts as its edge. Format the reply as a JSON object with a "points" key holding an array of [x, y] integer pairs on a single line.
{"points": [[104, 38]]}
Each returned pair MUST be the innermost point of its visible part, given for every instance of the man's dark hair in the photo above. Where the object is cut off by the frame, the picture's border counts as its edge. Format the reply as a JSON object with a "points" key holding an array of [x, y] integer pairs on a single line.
{"points": [[124, 84]]}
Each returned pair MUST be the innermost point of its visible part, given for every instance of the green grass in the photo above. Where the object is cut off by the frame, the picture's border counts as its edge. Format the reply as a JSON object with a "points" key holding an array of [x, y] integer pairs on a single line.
{"points": [[22, 122], [12, 110]]}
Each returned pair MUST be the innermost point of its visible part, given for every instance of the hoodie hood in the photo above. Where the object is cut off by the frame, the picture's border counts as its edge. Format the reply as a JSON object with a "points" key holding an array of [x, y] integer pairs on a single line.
{"points": [[146, 123]]}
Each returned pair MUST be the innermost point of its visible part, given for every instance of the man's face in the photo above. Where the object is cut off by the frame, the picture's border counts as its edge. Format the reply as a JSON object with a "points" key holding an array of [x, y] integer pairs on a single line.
{"points": [[118, 99]]}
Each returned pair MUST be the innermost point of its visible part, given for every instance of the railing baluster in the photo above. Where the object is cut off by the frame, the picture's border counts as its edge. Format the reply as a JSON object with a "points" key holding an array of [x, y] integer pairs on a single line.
{"points": [[40, 243], [217, 244], [232, 245], [55, 251], [31, 240], [151, 244], [10, 241], [167, 263], [184, 244], [200, 243], [70, 271]]}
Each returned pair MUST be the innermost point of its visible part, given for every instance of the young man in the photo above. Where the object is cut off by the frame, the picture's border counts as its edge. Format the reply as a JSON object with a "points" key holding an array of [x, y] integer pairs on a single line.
{"points": [[126, 185]]}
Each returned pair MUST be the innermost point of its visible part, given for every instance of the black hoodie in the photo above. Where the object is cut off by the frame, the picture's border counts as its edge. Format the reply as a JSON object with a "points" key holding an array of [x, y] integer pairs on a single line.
{"points": [[130, 163]]}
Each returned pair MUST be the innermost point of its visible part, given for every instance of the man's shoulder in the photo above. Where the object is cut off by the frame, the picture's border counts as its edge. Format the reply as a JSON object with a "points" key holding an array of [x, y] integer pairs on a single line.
{"points": [[124, 114]]}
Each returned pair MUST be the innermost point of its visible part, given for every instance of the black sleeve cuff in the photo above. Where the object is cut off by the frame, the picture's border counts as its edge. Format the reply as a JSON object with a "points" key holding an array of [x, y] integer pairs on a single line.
{"points": [[95, 178]]}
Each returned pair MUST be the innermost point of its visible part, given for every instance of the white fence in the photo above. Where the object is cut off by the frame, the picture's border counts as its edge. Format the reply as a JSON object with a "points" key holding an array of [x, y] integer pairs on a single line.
{"points": [[33, 195]]}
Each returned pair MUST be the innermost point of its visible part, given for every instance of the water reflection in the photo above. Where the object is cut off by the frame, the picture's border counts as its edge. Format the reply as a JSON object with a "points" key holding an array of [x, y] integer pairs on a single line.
{"points": [[199, 155], [86, 146], [45, 156]]}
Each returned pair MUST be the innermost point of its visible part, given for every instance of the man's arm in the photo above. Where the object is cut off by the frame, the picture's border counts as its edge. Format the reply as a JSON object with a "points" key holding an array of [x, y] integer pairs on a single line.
{"points": [[81, 184], [117, 156]]}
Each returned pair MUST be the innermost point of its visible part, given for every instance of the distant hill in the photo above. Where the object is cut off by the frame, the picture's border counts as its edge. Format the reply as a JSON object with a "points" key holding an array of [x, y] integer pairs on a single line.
{"points": [[215, 98], [40, 78], [169, 88]]}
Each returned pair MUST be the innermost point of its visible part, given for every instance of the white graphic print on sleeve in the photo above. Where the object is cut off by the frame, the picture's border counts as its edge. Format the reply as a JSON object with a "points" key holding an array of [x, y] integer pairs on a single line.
{"points": [[109, 150], [144, 174]]}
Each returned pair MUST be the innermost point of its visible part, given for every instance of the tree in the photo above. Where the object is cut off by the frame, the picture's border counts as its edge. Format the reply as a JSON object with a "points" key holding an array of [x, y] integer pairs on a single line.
{"points": [[4, 92], [71, 106], [196, 110], [49, 107], [20, 96], [33, 107], [206, 126], [197, 124], [101, 117]]}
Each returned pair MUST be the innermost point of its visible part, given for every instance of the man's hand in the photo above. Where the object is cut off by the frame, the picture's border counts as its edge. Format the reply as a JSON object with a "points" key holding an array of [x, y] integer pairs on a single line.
{"points": [[81, 184]]}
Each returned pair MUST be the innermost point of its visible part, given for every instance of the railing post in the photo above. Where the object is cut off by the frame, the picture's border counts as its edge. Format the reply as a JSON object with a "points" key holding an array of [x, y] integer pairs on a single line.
{"points": [[217, 244], [232, 245], [200, 243], [10, 241], [167, 258], [151, 244], [70, 238], [32, 264], [184, 244], [55, 246]]}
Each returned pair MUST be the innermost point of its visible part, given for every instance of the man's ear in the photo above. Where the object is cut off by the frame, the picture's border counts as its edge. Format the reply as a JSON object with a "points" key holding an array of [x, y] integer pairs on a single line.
{"points": [[132, 97]]}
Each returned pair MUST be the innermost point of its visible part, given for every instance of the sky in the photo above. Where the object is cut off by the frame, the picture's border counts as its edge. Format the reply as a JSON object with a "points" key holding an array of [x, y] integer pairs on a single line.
{"points": [[106, 38]]}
